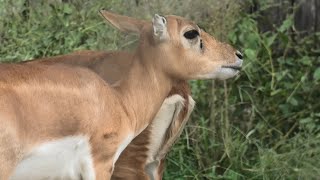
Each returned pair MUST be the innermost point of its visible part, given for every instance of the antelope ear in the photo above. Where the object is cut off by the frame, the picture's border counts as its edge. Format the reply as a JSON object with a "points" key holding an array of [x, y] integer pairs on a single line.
{"points": [[123, 23], [159, 24]]}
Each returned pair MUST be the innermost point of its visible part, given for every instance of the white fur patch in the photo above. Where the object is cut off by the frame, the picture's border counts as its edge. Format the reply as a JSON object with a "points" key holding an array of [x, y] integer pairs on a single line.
{"points": [[68, 158], [192, 103], [122, 146], [152, 166], [151, 170], [222, 73], [159, 24], [170, 108]]}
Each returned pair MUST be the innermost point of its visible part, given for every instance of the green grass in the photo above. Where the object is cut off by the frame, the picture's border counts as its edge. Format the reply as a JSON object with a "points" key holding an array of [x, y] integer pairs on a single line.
{"points": [[264, 124]]}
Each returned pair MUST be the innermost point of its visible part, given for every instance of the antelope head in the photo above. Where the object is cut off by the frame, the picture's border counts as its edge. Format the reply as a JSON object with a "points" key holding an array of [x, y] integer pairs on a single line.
{"points": [[179, 47]]}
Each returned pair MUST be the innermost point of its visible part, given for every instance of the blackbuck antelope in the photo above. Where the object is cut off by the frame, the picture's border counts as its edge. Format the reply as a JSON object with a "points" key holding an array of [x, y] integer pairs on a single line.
{"points": [[41, 105], [144, 158]]}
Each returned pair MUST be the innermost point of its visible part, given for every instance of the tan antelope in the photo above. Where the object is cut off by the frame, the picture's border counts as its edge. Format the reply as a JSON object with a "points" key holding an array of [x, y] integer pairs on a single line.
{"points": [[41, 105], [145, 155]]}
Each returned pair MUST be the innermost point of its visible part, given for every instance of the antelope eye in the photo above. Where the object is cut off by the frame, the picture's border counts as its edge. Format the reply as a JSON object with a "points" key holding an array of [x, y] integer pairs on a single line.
{"points": [[191, 34]]}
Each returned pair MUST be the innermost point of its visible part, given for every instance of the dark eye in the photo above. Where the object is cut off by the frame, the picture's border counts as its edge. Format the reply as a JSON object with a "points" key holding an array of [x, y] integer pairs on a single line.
{"points": [[191, 34]]}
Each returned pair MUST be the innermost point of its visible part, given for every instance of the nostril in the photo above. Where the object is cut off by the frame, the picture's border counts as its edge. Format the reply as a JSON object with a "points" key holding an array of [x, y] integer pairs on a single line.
{"points": [[239, 55]]}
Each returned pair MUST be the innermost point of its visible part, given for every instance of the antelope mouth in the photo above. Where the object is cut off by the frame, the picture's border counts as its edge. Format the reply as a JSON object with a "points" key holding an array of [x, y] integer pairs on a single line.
{"points": [[236, 68]]}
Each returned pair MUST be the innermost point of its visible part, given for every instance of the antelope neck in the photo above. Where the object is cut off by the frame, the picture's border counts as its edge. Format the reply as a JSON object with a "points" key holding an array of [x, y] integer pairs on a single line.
{"points": [[142, 91]]}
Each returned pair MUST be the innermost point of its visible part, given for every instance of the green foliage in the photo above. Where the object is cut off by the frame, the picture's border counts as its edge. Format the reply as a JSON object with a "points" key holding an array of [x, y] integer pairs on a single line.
{"points": [[264, 124], [47, 29], [277, 97]]}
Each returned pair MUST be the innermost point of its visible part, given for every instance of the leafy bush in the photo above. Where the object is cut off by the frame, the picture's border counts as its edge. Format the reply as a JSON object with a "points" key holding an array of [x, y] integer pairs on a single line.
{"points": [[265, 124]]}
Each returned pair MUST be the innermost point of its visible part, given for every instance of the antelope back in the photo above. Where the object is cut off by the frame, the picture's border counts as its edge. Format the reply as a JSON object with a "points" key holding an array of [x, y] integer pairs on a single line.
{"points": [[111, 66]]}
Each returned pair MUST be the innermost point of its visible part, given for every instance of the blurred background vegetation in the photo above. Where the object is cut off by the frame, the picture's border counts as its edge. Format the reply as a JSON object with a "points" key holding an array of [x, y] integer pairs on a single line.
{"points": [[264, 124]]}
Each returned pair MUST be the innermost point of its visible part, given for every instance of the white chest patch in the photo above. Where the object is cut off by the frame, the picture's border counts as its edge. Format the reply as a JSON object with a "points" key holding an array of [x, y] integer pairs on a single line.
{"points": [[67, 158]]}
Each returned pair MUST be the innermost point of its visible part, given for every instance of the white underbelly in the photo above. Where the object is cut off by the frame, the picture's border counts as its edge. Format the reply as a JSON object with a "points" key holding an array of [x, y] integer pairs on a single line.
{"points": [[68, 158]]}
